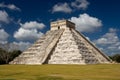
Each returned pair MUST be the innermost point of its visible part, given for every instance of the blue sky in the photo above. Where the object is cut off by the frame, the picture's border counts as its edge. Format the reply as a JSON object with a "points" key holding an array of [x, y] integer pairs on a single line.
{"points": [[24, 21]]}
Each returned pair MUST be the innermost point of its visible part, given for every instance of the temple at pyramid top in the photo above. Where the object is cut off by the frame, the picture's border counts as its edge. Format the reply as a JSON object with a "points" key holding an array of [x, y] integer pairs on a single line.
{"points": [[62, 45], [62, 24]]}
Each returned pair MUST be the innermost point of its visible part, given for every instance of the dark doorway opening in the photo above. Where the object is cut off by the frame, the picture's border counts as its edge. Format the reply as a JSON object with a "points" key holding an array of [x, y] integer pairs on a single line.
{"points": [[58, 27]]}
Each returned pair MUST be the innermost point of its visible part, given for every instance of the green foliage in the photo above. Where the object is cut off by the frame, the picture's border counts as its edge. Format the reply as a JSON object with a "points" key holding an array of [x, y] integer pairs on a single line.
{"points": [[6, 57], [14, 54], [116, 58], [2, 56]]}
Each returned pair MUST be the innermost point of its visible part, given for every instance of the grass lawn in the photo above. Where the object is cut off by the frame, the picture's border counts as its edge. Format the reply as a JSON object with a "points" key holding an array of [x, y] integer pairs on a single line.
{"points": [[60, 72]]}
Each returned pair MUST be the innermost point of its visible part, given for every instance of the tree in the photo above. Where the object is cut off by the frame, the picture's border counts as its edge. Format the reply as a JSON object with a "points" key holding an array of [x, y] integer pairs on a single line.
{"points": [[14, 54], [6, 57], [116, 58], [2, 56]]}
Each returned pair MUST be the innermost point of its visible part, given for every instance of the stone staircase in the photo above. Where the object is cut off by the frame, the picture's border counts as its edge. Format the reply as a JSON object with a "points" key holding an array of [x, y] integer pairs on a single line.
{"points": [[87, 55], [89, 52], [73, 48], [66, 51], [38, 53]]}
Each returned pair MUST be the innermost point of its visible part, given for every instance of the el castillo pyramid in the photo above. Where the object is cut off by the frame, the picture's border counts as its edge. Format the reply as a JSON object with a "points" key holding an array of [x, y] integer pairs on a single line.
{"points": [[62, 45]]}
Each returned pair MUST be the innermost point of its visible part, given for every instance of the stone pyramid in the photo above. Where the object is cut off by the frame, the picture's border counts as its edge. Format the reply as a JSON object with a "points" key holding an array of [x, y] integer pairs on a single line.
{"points": [[62, 45]]}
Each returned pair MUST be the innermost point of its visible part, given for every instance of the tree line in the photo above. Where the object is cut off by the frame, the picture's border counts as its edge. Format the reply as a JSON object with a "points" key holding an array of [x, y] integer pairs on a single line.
{"points": [[7, 56], [115, 58]]}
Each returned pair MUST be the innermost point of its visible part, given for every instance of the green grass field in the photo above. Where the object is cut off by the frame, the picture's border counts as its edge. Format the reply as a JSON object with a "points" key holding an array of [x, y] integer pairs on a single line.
{"points": [[60, 72]]}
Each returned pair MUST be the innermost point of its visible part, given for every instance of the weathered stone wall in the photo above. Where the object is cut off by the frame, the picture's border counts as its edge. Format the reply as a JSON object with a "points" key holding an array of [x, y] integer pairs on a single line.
{"points": [[62, 24], [66, 51], [96, 55]]}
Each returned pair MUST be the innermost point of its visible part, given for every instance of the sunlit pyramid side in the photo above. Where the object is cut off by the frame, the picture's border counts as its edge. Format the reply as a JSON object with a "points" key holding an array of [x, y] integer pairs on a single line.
{"points": [[62, 45]]}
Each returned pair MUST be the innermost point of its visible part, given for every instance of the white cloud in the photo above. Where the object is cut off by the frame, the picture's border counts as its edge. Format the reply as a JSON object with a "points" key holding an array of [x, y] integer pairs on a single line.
{"points": [[9, 6], [22, 45], [3, 36], [71, 6], [15, 46], [113, 30], [4, 17], [29, 31], [110, 41], [80, 4], [33, 25], [62, 7], [27, 34], [101, 41], [87, 38], [109, 38], [86, 23], [119, 47]]}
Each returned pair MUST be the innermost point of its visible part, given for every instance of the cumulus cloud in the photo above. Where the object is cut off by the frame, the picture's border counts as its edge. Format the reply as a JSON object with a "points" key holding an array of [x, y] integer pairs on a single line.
{"points": [[109, 38], [15, 46], [4, 17], [22, 45], [71, 6], [86, 23], [32, 25], [110, 41], [27, 34], [112, 30], [62, 7], [9, 6], [29, 31], [3, 36], [119, 47], [80, 4], [87, 38]]}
